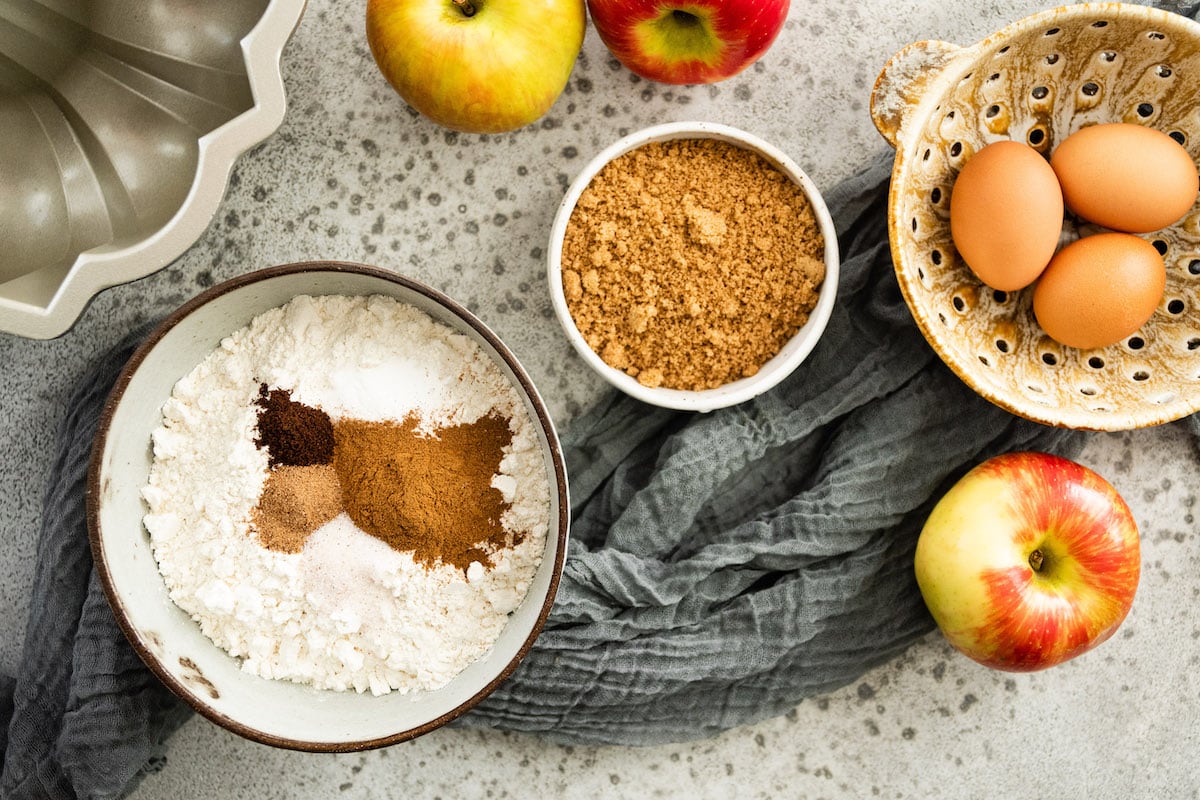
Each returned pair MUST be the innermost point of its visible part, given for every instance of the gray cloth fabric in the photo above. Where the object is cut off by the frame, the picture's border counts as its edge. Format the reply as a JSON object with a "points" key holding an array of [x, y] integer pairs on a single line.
{"points": [[722, 567]]}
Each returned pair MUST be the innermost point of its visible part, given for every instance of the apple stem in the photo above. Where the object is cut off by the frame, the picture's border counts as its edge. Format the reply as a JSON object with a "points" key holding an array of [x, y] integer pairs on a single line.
{"points": [[1035, 560], [466, 7]]}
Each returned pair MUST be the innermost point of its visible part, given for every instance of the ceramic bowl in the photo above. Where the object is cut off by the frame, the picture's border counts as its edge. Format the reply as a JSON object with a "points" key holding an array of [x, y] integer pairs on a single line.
{"points": [[281, 713], [774, 370], [120, 123], [1037, 81]]}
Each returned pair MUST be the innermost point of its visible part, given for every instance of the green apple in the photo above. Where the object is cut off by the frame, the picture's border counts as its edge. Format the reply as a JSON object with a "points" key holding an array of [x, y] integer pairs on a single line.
{"points": [[1030, 559], [480, 66]]}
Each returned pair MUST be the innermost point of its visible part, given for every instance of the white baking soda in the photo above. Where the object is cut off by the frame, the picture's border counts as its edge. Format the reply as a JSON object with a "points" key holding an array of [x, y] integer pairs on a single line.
{"points": [[348, 611]]}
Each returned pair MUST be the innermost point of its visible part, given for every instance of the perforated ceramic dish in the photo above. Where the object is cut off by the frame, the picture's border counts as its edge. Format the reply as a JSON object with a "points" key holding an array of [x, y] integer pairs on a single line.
{"points": [[1039, 80], [278, 712], [120, 121]]}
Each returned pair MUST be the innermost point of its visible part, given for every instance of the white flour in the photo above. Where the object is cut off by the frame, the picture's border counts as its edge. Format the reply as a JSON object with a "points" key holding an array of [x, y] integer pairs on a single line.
{"points": [[348, 611]]}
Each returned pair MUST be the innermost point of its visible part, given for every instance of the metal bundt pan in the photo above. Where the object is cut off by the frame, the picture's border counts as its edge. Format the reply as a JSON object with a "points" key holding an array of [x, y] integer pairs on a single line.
{"points": [[119, 123], [1037, 81]]}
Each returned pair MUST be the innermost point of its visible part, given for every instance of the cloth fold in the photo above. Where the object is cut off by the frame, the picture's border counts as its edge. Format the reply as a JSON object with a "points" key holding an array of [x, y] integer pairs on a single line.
{"points": [[721, 568]]}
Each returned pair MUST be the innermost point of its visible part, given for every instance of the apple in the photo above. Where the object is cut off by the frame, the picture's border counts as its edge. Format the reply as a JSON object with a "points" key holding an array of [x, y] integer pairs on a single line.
{"points": [[688, 41], [1030, 559], [479, 66]]}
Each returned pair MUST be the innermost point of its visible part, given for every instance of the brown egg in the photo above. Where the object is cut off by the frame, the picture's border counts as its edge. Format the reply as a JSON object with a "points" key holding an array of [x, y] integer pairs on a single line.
{"points": [[1099, 289], [1126, 177], [1006, 212]]}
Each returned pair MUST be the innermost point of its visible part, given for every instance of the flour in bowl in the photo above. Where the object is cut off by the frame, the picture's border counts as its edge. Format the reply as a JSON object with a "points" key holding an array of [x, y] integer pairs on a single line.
{"points": [[349, 494]]}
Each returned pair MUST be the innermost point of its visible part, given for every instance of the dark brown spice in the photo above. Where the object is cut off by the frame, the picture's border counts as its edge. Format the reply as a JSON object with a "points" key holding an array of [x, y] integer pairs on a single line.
{"points": [[293, 433]]}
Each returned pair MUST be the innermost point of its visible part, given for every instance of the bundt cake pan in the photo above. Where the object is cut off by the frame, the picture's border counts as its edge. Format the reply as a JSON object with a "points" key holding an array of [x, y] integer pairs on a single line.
{"points": [[120, 122]]}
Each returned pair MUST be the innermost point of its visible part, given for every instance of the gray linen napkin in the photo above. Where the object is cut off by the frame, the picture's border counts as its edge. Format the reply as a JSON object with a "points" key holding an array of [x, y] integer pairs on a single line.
{"points": [[722, 567]]}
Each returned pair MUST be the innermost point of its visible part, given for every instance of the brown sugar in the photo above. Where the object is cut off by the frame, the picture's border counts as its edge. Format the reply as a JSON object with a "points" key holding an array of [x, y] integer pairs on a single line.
{"points": [[688, 264]]}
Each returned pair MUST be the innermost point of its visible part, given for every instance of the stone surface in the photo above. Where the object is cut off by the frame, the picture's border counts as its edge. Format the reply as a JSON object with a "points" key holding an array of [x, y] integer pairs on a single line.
{"points": [[353, 174]]}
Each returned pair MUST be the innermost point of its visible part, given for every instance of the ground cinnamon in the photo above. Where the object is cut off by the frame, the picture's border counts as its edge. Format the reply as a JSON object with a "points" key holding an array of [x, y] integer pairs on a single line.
{"points": [[429, 494]]}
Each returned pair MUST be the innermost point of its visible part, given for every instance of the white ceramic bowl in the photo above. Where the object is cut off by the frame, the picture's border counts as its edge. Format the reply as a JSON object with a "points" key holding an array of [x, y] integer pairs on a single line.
{"points": [[774, 370], [281, 713], [120, 123]]}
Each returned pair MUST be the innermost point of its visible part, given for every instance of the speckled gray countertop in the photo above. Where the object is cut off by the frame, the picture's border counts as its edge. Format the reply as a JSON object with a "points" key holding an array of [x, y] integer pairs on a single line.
{"points": [[353, 174]]}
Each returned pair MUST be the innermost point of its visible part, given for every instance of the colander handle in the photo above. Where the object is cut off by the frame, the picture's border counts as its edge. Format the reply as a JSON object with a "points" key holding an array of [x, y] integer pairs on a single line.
{"points": [[904, 82]]}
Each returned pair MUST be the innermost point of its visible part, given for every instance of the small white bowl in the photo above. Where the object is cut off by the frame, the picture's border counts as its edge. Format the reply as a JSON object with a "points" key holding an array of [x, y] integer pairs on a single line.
{"points": [[774, 370], [275, 712]]}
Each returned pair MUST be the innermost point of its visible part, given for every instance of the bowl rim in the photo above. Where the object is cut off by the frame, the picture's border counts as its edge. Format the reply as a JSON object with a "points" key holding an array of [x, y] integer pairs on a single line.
{"points": [[915, 118], [94, 482], [93, 271], [783, 363]]}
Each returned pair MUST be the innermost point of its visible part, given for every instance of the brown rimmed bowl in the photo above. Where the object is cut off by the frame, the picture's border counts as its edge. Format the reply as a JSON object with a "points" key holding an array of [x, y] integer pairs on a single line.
{"points": [[282, 713]]}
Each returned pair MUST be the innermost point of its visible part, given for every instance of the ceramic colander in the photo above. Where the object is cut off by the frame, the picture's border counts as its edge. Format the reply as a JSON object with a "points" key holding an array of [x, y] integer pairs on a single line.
{"points": [[1039, 80]]}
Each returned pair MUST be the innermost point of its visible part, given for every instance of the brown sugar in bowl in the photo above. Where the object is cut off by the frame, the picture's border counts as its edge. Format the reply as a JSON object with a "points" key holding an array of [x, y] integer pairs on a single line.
{"points": [[693, 299]]}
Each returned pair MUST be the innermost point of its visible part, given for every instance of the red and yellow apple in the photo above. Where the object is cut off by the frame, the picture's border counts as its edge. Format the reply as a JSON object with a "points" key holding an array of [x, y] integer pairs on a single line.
{"points": [[688, 41], [1030, 559], [479, 66]]}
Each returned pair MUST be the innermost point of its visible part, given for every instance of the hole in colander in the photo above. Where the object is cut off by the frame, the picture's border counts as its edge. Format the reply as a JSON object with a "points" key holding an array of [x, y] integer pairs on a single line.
{"points": [[1049, 359], [984, 360], [1109, 56], [1003, 50], [914, 224], [1033, 387], [1036, 136], [941, 318], [1176, 306], [950, 115], [1002, 345], [1136, 343], [1156, 35], [1000, 296], [935, 196], [1162, 71], [1193, 343], [936, 257], [1052, 58], [925, 156], [1145, 109], [995, 76], [960, 305], [956, 149], [1160, 246], [1178, 136], [1039, 92], [1096, 362], [920, 274], [1100, 23], [1088, 391], [1091, 88], [1052, 31], [1141, 375], [992, 111], [1194, 266]]}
